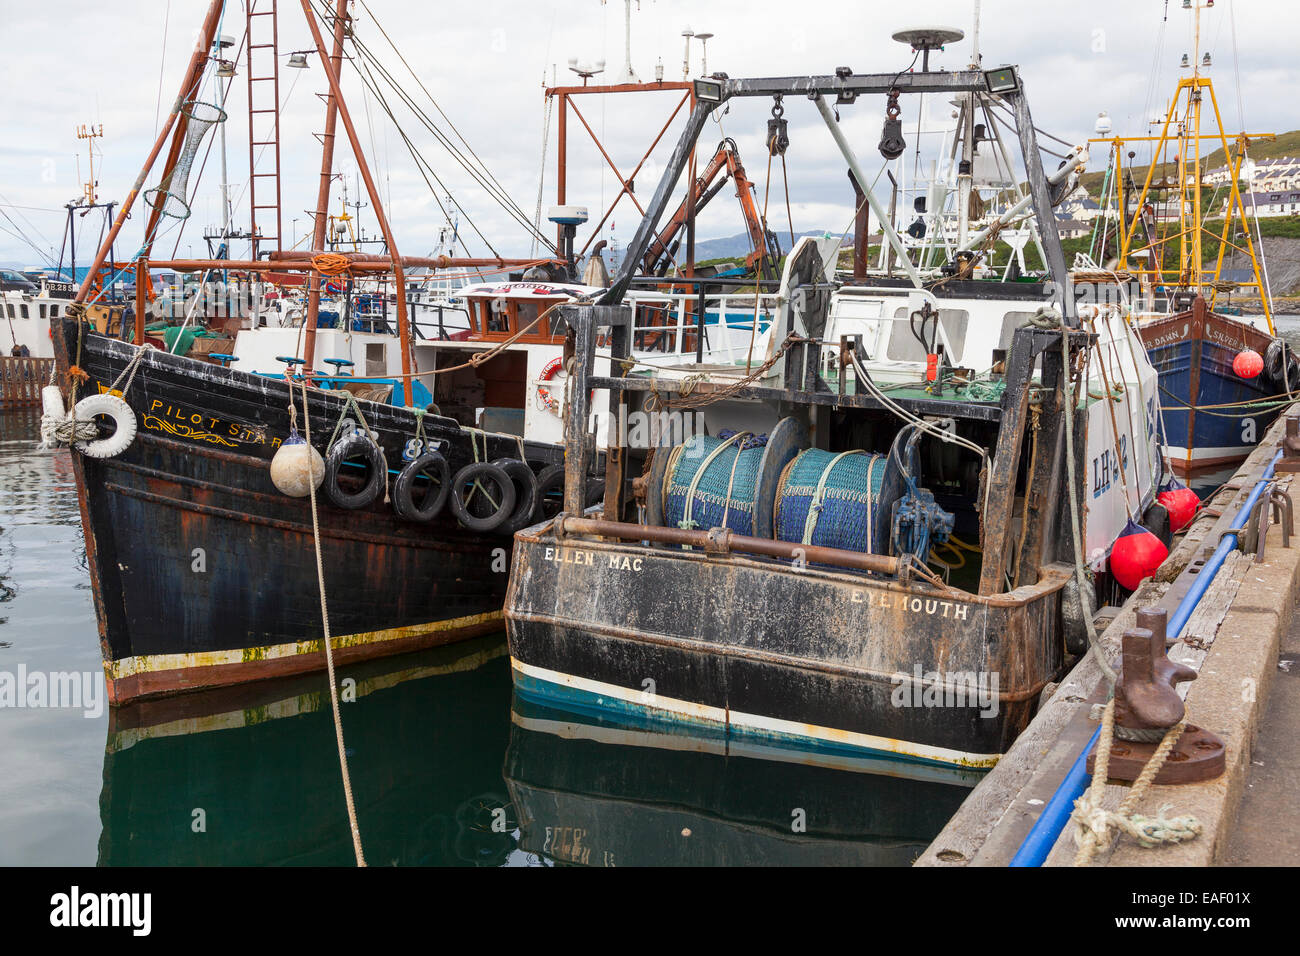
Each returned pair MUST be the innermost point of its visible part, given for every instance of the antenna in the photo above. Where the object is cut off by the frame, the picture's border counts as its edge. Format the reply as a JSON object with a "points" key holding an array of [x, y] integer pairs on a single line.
{"points": [[629, 74], [90, 133]]}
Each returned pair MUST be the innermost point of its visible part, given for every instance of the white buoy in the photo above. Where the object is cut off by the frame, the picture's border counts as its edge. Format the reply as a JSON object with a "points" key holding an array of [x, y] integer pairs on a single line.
{"points": [[53, 411], [289, 467], [52, 401]]}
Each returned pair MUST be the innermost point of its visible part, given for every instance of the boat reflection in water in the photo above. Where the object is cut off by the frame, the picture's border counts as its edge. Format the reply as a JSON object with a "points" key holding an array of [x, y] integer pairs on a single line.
{"points": [[593, 791], [249, 775]]}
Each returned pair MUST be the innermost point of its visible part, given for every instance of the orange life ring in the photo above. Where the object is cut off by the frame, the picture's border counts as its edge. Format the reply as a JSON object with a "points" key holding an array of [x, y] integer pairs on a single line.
{"points": [[545, 396]]}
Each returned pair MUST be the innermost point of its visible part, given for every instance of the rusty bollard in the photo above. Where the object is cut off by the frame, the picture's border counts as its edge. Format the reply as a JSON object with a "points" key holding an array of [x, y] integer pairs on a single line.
{"points": [[1290, 460], [1155, 620], [1147, 705]]}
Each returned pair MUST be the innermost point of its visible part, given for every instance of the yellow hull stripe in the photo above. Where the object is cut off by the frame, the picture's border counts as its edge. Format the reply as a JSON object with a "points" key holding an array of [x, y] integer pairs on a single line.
{"points": [[150, 663], [295, 706]]}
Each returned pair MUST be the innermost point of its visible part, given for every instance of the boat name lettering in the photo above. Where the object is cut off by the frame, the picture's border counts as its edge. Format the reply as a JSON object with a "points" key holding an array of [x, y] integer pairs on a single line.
{"points": [[1168, 338], [571, 556], [566, 844], [916, 605], [1220, 337], [196, 425]]}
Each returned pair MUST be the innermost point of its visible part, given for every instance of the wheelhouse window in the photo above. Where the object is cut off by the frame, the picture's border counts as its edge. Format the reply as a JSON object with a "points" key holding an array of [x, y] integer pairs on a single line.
{"points": [[498, 316], [526, 313], [904, 346]]}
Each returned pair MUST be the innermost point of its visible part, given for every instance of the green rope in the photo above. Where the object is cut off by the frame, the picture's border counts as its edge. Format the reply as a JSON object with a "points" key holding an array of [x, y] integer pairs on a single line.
{"points": [[990, 391], [350, 405], [419, 427], [1251, 407], [478, 484]]}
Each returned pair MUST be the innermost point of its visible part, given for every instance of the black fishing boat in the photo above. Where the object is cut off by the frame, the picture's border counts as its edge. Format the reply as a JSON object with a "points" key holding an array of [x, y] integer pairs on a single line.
{"points": [[211, 560], [205, 574], [773, 581]]}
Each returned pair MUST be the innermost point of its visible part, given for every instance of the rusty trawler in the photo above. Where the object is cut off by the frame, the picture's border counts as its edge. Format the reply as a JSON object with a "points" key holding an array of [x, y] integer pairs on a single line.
{"points": [[210, 557], [804, 556]]}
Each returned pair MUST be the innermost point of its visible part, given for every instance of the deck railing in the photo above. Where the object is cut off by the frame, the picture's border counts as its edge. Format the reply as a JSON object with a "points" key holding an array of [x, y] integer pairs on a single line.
{"points": [[21, 379]]}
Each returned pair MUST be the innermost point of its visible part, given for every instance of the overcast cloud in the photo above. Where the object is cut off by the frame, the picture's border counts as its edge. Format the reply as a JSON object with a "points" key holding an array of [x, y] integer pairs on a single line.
{"points": [[73, 62]]}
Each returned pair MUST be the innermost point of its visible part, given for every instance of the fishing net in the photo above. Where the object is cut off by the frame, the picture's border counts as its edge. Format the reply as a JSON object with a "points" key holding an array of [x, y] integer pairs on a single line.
{"points": [[830, 499], [168, 197], [714, 479]]}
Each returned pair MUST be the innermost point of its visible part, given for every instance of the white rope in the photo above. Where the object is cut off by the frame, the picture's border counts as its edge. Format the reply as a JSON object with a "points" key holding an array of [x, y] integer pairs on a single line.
{"points": [[930, 428], [325, 625], [1049, 318]]}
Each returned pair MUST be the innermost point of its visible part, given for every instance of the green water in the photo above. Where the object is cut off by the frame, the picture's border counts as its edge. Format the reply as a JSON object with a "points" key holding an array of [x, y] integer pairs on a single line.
{"points": [[447, 768]]}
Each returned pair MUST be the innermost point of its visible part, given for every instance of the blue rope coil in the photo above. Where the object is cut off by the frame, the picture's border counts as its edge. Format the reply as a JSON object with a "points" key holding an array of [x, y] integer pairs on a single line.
{"points": [[848, 508], [725, 490]]}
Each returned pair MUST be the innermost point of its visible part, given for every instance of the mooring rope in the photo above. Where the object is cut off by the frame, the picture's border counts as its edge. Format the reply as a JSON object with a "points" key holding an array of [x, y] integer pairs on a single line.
{"points": [[1093, 822], [1047, 318], [325, 625], [66, 429]]}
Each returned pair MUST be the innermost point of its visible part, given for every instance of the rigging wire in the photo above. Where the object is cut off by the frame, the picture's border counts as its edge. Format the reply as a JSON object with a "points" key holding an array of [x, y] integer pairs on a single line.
{"points": [[421, 164], [162, 63], [370, 66], [32, 226], [472, 164], [482, 166]]}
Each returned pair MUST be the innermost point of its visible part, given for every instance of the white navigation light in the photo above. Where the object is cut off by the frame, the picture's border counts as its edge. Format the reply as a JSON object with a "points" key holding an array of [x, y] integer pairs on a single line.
{"points": [[1103, 125]]}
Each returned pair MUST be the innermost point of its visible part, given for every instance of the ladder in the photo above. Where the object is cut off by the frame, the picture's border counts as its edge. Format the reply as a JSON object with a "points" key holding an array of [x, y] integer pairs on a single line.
{"points": [[263, 101]]}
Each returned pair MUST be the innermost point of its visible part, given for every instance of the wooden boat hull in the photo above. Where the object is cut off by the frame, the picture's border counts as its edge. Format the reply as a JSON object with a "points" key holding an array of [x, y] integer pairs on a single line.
{"points": [[204, 574], [1192, 352], [817, 660]]}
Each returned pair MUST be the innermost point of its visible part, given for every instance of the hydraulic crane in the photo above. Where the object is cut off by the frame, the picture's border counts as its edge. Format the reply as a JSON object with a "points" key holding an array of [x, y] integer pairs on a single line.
{"points": [[765, 257]]}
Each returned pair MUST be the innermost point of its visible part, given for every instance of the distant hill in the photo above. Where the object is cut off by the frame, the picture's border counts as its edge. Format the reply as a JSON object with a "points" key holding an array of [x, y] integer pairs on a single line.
{"points": [[1285, 144], [738, 245]]}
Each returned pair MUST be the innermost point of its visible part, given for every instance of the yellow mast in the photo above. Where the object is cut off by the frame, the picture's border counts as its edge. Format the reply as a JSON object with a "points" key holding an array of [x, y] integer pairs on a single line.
{"points": [[90, 133], [1144, 256]]}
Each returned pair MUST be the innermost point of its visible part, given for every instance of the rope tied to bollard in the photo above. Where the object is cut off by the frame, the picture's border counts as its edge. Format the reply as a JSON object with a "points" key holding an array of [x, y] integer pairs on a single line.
{"points": [[1093, 822]]}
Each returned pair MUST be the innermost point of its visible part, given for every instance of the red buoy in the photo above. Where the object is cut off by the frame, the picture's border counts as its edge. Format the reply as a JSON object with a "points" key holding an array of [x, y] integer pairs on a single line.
{"points": [[1135, 555], [1248, 363], [1181, 503]]}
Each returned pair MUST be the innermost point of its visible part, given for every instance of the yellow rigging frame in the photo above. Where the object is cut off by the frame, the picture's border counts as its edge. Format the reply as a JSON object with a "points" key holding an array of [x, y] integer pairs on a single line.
{"points": [[1144, 255]]}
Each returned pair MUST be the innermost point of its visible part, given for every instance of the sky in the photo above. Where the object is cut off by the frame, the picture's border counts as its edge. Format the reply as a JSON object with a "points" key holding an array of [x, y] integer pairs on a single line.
{"points": [[484, 65]]}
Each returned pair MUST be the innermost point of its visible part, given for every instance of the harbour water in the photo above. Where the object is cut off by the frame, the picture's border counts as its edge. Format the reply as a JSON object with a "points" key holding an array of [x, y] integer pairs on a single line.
{"points": [[447, 767]]}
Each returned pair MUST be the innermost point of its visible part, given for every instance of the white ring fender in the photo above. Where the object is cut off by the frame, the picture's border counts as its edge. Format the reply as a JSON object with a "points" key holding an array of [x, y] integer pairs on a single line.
{"points": [[123, 418]]}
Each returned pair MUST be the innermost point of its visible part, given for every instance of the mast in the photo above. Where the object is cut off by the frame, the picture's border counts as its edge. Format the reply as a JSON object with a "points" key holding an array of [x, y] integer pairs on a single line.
{"points": [[175, 119], [399, 275], [323, 191], [1181, 127]]}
